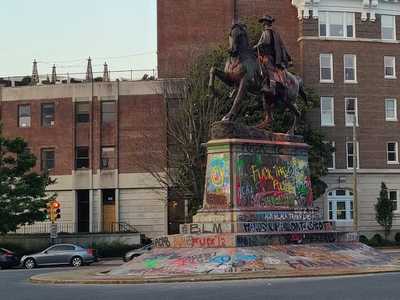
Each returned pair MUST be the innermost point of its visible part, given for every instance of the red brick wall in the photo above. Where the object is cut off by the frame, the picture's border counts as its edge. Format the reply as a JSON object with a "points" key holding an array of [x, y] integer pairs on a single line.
{"points": [[142, 133], [371, 91], [59, 137], [185, 27]]}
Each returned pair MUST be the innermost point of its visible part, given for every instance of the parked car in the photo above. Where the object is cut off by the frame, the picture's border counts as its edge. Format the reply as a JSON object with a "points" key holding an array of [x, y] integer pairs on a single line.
{"points": [[8, 259], [60, 254], [136, 252]]}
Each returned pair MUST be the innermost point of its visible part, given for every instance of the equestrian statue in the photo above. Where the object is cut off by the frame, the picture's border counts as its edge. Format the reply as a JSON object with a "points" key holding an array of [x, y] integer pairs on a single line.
{"points": [[261, 70]]}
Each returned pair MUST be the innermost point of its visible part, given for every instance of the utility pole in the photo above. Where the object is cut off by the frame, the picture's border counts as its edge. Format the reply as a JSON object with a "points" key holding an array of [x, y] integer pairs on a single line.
{"points": [[355, 162]]}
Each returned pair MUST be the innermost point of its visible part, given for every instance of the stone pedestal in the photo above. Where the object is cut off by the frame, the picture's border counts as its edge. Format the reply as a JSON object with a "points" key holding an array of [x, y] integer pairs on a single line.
{"points": [[258, 192]]}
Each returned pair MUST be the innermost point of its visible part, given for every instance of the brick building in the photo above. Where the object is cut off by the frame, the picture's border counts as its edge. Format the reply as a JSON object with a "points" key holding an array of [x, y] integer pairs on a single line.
{"points": [[98, 140], [346, 50]]}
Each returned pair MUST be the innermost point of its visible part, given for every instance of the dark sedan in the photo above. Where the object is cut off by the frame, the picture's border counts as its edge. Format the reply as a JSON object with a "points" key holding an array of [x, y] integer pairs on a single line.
{"points": [[61, 254], [8, 259]]}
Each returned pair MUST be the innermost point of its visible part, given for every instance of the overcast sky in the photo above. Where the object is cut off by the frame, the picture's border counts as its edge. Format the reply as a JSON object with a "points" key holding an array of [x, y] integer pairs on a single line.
{"points": [[67, 32]]}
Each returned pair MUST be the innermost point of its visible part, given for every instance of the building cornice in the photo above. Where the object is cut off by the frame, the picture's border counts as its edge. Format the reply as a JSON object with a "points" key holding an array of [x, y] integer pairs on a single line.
{"points": [[316, 38], [367, 8]]}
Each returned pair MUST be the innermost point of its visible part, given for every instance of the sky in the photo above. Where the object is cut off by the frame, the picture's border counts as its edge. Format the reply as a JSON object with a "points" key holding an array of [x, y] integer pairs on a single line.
{"points": [[122, 33]]}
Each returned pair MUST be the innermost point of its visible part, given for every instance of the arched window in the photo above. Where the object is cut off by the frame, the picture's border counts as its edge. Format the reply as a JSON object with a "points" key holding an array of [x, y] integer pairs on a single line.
{"points": [[340, 205]]}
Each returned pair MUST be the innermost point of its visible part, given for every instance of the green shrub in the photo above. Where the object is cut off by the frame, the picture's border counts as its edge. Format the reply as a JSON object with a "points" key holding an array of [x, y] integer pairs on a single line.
{"points": [[363, 239], [376, 240], [397, 237], [112, 249]]}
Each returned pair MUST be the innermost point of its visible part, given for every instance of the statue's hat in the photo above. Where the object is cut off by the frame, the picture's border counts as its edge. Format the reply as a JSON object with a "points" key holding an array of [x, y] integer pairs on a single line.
{"points": [[266, 18]]}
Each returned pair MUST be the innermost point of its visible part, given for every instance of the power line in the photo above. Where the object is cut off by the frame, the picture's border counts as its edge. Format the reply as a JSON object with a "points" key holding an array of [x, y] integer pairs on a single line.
{"points": [[95, 58]]}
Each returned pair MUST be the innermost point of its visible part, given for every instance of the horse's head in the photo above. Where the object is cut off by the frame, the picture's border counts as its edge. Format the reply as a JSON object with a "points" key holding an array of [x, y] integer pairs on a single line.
{"points": [[238, 40]]}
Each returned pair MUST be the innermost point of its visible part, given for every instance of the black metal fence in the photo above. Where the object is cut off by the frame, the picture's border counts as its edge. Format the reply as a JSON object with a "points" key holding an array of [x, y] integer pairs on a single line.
{"points": [[79, 227]]}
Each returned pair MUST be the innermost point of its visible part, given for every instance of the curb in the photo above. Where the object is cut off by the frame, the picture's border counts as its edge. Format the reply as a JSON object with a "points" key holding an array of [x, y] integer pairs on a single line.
{"points": [[44, 279]]}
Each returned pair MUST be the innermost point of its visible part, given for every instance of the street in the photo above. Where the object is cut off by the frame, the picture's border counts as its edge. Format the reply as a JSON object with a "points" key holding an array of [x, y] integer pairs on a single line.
{"points": [[14, 285]]}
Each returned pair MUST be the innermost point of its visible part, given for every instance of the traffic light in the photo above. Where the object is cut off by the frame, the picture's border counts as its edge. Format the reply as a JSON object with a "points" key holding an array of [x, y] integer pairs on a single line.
{"points": [[55, 211], [49, 211]]}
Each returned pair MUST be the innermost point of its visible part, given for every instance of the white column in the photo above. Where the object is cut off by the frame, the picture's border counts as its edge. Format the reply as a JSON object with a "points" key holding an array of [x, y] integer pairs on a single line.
{"points": [[117, 205], [100, 210], [91, 210]]}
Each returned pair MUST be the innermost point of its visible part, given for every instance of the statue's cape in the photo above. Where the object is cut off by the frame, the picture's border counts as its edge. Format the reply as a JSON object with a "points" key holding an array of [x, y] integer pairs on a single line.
{"points": [[281, 54]]}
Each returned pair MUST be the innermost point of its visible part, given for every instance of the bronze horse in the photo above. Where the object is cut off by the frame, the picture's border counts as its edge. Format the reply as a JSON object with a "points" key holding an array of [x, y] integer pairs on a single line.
{"points": [[243, 72]]}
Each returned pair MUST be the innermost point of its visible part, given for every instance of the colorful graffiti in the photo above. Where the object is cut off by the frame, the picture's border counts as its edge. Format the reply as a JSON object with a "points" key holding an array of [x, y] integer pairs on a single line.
{"points": [[272, 180], [290, 226], [280, 215], [204, 228], [217, 178], [283, 258], [200, 241]]}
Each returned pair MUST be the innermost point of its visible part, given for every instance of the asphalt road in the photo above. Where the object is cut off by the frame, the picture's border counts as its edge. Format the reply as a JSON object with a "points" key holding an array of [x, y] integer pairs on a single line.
{"points": [[14, 285]]}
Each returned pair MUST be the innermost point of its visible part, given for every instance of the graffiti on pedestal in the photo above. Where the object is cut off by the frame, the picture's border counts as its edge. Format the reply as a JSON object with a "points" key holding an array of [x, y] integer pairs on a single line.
{"points": [[280, 215], [217, 181], [199, 241], [265, 181]]}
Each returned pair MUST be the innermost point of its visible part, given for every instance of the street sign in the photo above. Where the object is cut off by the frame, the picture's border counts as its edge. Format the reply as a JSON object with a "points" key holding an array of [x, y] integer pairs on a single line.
{"points": [[53, 230]]}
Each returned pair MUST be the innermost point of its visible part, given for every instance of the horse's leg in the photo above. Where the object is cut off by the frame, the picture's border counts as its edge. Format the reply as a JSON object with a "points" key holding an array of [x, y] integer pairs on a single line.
{"points": [[268, 107], [235, 106], [212, 78], [296, 113]]}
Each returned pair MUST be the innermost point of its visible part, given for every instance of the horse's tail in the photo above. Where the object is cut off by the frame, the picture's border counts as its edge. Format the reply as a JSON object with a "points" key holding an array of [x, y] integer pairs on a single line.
{"points": [[302, 93]]}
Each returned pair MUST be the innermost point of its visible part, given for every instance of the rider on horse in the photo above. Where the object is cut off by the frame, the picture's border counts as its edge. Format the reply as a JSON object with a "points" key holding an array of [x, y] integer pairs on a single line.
{"points": [[273, 56]]}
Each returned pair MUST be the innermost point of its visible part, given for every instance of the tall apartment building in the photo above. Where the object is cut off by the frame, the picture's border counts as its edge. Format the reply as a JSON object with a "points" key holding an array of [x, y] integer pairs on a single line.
{"points": [[97, 139], [346, 51]]}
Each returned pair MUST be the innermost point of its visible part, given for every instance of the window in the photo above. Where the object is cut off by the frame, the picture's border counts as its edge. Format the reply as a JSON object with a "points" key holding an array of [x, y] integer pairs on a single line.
{"points": [[390, 67], [340, 205], [82, 157], [388, 27], [390, 109], [394, 196], [392, 157], [107, 157], [327, 114], [350, 111], [47, 110], [331, 159], [350, 68], [350, 155], [82, 112], [326, 67], [336, 24], [108, 112], [61, 248], [47, 159], [24, 115]]}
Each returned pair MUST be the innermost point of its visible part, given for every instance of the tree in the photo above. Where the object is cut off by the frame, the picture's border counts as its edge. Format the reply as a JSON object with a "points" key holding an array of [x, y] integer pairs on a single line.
{"points": [[191, 112], [23, 194], [384, 210]]}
